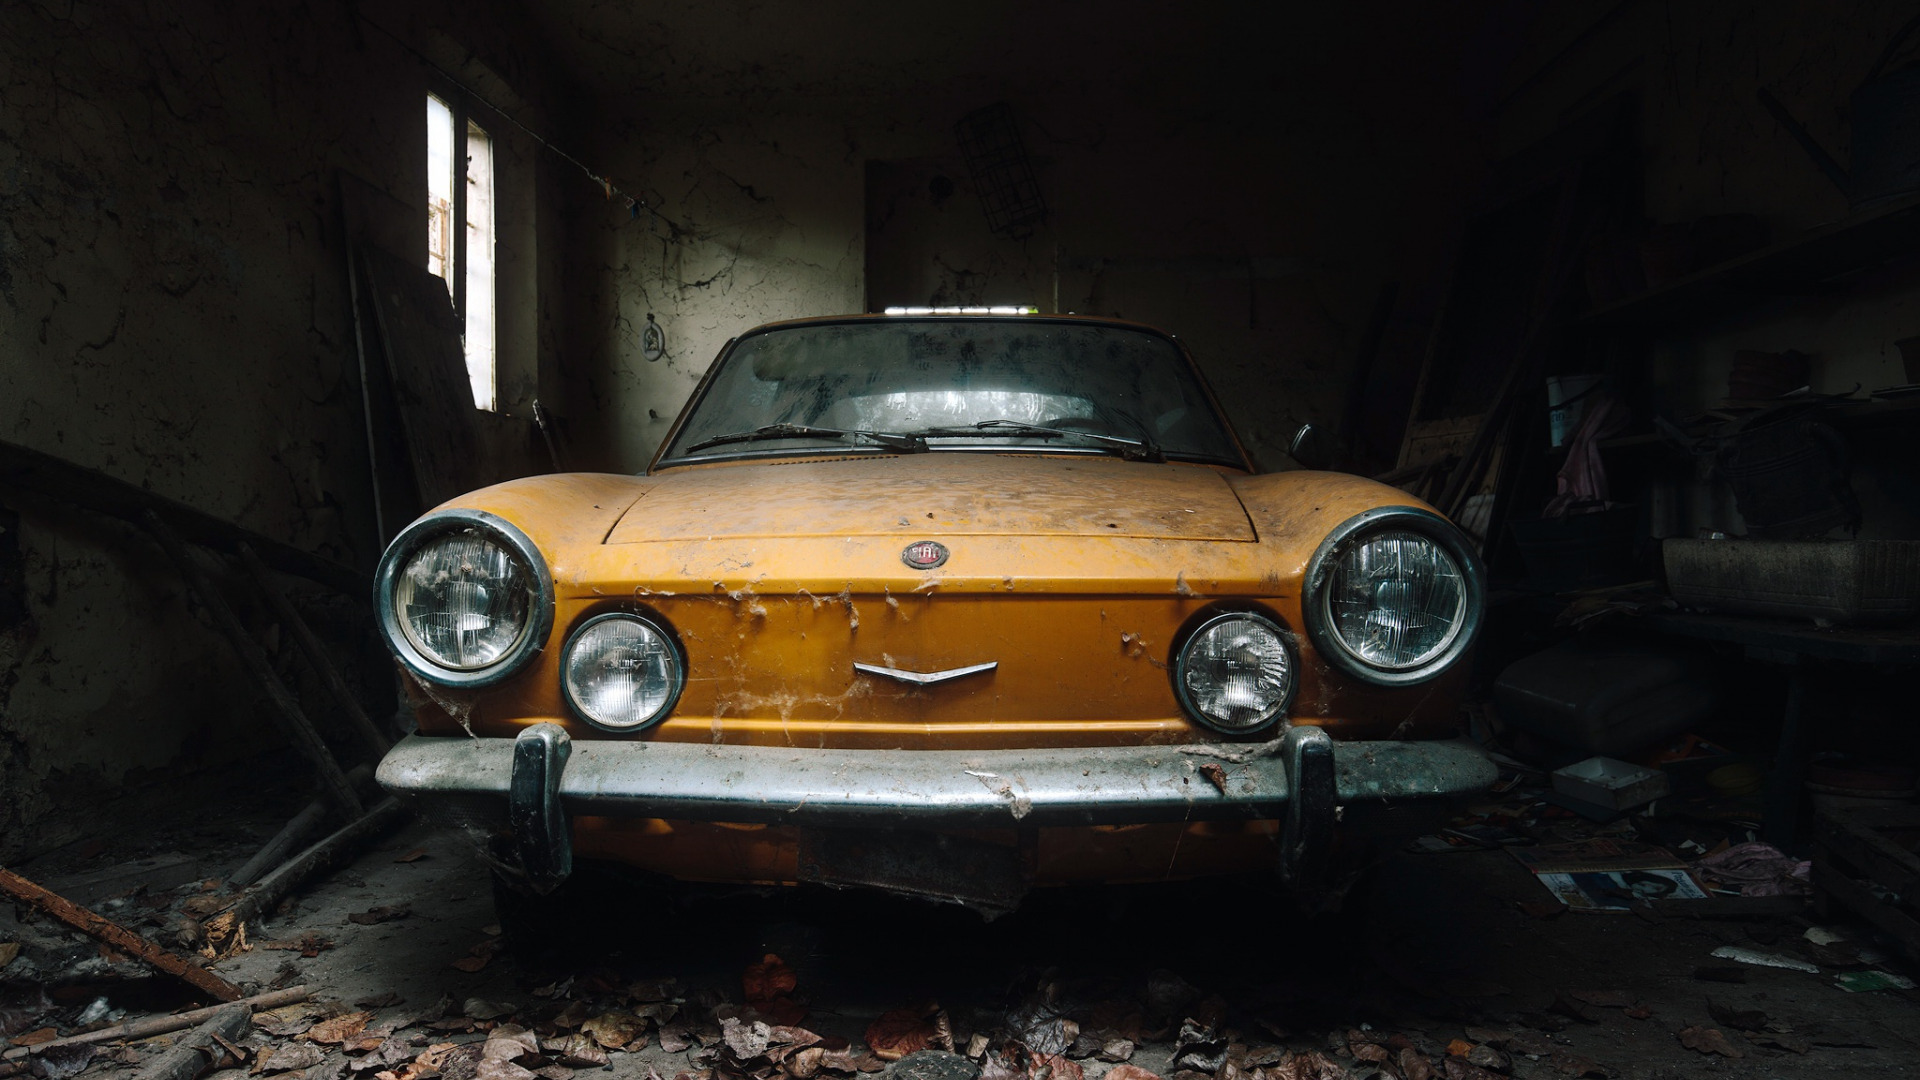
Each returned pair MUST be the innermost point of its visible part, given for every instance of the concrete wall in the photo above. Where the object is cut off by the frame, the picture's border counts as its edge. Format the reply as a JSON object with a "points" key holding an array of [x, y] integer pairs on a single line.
{"points": [[1246, 178], [173, 313]]}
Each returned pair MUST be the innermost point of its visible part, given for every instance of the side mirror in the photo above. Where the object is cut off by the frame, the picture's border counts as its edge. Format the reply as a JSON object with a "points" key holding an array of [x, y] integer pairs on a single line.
{"points": [[1310, 448]]}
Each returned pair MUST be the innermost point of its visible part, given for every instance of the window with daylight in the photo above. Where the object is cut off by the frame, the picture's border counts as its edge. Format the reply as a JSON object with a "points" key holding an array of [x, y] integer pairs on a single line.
{"points": [[460, 233]]}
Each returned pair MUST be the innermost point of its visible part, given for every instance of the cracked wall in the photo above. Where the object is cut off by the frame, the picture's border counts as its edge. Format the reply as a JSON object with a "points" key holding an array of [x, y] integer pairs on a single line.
{"points": [[173, 313]]}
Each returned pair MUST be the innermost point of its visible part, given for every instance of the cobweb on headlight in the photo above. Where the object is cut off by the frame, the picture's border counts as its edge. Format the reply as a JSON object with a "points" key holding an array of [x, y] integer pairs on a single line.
{"points": [[1397, 599], [463, 600]]}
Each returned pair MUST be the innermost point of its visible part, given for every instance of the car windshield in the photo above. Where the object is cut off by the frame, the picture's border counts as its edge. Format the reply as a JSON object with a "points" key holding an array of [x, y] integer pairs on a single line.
{"points": [[971, 383]]}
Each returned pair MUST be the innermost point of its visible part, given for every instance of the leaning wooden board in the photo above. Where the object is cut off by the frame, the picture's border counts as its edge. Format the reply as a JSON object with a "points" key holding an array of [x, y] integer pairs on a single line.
{"points": [[421, 338], [1863, 855]]}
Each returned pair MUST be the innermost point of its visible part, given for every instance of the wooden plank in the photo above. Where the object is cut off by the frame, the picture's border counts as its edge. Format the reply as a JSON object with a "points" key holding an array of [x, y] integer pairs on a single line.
{"points": [[285, 709], [116, 936], [420, 335], [377, 744], [201, 1049], [148, 1026], [1860, 900], [323, 856]]}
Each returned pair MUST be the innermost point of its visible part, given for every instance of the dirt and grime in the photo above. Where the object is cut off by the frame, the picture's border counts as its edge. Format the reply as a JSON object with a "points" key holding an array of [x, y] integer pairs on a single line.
{"points": [[1442, 965]]}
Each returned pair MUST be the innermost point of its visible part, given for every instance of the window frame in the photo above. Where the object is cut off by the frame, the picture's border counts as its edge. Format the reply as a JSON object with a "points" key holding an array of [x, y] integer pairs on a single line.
{"points": [[464, 122]]}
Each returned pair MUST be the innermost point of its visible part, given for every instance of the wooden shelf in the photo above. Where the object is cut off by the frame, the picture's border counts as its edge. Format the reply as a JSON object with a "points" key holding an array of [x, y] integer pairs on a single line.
{"points": [[1814, 263]]}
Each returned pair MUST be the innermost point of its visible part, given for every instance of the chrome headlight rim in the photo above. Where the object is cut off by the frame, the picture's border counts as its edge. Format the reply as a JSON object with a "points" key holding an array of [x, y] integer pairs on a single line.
{"points": [[653, 622], [1177, 667], [1317, 599], [533, 638]]}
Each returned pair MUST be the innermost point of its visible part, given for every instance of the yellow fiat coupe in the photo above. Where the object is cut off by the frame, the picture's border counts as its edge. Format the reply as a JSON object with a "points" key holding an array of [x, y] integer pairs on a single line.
{"points": [[951, 604]]}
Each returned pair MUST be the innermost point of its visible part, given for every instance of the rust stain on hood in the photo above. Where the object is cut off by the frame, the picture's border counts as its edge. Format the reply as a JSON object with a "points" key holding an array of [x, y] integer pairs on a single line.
{"points": [[951, 494]]}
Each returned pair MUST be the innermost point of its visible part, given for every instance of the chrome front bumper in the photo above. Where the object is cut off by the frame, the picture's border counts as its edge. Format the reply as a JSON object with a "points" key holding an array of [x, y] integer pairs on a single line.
{"points": [[534, 782]]}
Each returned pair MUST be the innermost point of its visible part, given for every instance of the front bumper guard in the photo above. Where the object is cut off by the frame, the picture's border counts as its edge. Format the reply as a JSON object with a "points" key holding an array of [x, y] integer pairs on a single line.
{"points": [[1303, 778]]}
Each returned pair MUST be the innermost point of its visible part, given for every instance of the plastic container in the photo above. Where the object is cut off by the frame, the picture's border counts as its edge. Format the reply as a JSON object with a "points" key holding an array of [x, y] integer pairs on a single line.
{"points": [[1603, 697], [1567, 397], [1829, 581], [1608, 783]]}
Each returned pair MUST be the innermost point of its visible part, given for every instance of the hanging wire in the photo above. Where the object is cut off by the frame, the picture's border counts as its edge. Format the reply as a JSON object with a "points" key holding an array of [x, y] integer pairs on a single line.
{"points": [[634, 203]]}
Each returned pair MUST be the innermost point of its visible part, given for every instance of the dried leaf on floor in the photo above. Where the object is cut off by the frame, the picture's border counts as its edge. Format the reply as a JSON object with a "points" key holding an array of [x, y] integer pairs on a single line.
{"points": [[338, 1029], [225, 935], [577, 1051], [1779, 1041], [1115, 1050], [1130, 1072], [615, 1028], [1641, 1012], [381, 1001], [511, 1042], [60, 1062], [900, 1032], [1708, 1040], [1414, 1065], [498, 1069], [293, 1055], [652, 990], [412, 856], [481, 1009], [675, 1037], [9, 951], [768, 979], [1312, 1065], [374, 916], [288, 1020], [554, 1072]]}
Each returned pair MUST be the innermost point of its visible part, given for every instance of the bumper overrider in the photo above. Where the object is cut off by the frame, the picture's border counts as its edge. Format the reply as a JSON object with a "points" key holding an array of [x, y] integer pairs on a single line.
{"points": [[533, 784]]}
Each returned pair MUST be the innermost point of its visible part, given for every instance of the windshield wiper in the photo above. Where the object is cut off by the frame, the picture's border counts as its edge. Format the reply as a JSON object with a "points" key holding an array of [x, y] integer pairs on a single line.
{"points": [[1141, 449], [891, 440]]}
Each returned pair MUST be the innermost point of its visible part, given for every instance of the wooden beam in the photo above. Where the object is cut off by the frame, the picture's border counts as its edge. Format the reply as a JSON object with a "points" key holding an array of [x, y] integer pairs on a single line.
{"points": [[116, 936], [148, 1026], [285, 710], [42, 474], [377, 744]]}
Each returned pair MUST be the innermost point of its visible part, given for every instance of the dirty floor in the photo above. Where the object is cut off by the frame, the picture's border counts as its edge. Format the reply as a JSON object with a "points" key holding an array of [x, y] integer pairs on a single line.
{"points": [[1435, 954]]}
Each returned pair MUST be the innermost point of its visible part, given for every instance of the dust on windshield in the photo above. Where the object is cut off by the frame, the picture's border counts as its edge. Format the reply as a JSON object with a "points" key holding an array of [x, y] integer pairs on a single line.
{"points": [[954, 384]]}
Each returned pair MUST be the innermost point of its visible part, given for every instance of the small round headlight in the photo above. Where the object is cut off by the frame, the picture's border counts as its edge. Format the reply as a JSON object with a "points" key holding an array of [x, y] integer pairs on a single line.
{"points": [[1235, 673], [622, 672], [463, 600], [1397, 599]]}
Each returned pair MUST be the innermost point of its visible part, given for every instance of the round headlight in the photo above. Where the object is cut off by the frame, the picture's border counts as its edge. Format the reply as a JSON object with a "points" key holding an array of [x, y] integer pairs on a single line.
{"points": [[1394, 596], [1397, 600], [622, 672], [464, 598], [1235, 672]]}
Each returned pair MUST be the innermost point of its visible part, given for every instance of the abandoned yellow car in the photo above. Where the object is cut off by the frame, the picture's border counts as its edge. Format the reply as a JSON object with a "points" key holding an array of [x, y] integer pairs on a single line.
{"points": [[946, 604]]}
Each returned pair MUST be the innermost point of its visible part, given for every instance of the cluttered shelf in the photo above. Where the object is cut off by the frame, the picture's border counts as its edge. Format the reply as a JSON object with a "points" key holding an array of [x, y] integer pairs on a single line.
{"points": [[1810, 263]]}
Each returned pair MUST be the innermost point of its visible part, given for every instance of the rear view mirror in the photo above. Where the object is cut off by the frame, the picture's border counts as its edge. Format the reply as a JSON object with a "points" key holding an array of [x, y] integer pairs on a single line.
{"points": [[1310, 448]]}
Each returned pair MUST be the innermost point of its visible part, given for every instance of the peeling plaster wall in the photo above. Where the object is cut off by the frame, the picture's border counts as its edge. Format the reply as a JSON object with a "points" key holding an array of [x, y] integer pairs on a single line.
{"points": [[1250, 187], [1709, 147], [173, 313]]}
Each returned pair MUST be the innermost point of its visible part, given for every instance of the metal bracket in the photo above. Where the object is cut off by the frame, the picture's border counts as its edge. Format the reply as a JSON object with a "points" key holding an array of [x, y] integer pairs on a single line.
{"points": [[1306, 837], [542, 834]]}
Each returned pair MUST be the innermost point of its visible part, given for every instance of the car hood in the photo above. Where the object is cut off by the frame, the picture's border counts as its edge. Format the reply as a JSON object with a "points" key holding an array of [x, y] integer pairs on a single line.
{"points": [[955, 494]]}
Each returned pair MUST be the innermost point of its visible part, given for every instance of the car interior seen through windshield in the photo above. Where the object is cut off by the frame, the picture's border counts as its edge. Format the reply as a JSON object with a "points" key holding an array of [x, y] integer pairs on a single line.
{"points": [[955, 384]]}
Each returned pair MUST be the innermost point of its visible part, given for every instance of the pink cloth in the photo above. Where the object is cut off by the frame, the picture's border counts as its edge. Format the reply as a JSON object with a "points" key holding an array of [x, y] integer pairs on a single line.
{"points": [[1758, 870], [1583, 478]]}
